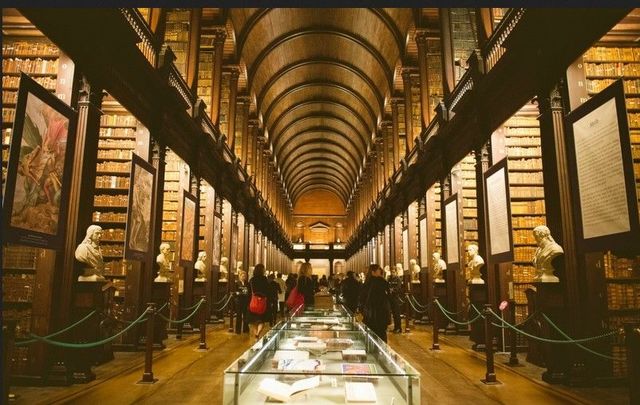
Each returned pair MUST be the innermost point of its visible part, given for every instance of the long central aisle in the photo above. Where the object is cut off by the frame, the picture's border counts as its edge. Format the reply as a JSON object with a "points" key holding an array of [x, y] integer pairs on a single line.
{"points": [[186, 376]]}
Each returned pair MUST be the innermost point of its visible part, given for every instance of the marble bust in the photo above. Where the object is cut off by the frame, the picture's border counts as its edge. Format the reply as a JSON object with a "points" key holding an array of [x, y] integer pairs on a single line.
{"points": [[164, 263], [547, 250], [399, 270], [387, 272], [415, 271], [439, 266], [239, 267], [474, 265], [224, 262], [89, 254], [201, 267]]}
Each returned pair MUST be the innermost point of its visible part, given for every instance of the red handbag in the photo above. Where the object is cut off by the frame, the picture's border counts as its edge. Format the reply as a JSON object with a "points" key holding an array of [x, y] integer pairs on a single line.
{"points": [[295, 299], [258, 304]]}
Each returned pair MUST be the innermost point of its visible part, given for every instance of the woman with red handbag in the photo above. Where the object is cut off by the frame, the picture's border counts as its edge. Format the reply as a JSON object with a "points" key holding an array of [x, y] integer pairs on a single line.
{"points": [[258, 304], [305, 285]]}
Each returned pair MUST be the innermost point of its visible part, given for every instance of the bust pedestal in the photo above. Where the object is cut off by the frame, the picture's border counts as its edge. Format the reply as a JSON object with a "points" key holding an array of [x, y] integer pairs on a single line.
{"points": [[89, 296], [559, 359], [201, 289], [477, 297], [440, 292]]}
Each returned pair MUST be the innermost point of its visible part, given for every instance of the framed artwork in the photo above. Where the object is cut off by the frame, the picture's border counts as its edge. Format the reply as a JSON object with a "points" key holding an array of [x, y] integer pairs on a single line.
{"points": [[39, 171], [188, 232], [139, 214], [217, 229], [451, 229], [497, 201], [601, 173]]}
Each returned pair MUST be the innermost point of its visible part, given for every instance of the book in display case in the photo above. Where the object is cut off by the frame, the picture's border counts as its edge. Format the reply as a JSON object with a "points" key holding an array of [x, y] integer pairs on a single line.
{"points": [[354, 366]]}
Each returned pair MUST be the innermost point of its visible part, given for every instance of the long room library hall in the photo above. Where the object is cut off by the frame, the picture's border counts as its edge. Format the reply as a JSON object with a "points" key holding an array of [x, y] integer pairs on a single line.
{"points": [[320, 205]]}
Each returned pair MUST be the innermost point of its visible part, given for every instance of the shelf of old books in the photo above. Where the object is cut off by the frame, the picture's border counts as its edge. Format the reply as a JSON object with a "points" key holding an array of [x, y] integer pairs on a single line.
{"points": [[307, 366], [519, 140], [205, 70], [176, 36], [603, 64]]}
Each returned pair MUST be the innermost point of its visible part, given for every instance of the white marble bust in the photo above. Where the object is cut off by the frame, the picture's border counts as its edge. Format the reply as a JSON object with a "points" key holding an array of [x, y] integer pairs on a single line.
{"points": [[547, 250], [224, 262], [439, 266], [387, 272], [239, 268], [474, 265], [201, 266], [88, 253], [415, 271], [399, 270], [164, 264]]}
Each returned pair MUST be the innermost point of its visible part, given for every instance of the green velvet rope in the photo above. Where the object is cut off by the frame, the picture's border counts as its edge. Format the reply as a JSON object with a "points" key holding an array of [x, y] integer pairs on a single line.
{"points": [[197, 307], [60, 332], [453, 320], [92, 344], [448, 312]]}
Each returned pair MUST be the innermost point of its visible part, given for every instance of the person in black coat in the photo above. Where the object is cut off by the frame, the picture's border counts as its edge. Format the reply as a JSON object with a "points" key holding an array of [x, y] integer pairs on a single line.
{"points": [[306, 286], [350, 291], [258, 285], [242, 303], [376, 306], [396, 290], [274, 290]]}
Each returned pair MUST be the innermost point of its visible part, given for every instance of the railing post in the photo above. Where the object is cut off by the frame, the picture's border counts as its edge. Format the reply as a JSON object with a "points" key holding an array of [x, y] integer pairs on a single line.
{"points": [[8, 337], [490, 376], [632, 340], [231, 314], [436, 325], [147, 376], [203, 325], [513, 337]]}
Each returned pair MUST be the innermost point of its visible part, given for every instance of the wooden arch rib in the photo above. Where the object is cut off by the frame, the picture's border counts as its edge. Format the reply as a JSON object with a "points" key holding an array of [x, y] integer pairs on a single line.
{"points": [[315, 133], [317, 161], [320, 102], [295, 192], [326, 172], [300, 64], [333, 158], [321, 91], [310, 147], [311, 187]]}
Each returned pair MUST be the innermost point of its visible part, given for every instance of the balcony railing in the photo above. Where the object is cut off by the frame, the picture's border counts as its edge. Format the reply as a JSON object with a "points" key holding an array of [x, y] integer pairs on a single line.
{"points": [[148, 44], [493, 50]]}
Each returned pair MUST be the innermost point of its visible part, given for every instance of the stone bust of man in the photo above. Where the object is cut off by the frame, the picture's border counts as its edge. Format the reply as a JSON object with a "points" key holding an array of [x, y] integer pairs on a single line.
{"points": [[399, 270], [439, 266], [547, 250], [88, 253], [201, 266], [224, 262], [238, 267], [164, 263], [387, 272], [415, 271], [474, 265]]}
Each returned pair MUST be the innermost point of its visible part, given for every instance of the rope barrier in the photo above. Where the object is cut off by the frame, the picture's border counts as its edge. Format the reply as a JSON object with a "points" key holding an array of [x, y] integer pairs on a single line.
{"points": [[197, 304], [68, 328], [560, 331], [221, 299], [445, 312], [197, 307], [92, 344], [225, 305], [541, 339], [417, 303], [529, 318], [419, 311], [449, 312]]}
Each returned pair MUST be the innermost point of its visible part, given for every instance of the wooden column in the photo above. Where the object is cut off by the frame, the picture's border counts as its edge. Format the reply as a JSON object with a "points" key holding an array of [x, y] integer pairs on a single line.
{"points": [[408, 120], [243, 105], [220, 35], [421, 41], [395, 133], [241, 243], [249, 158], [193, 58], [448, 73], [482, 165], [233, 94], [412, 224], [158, 156]]}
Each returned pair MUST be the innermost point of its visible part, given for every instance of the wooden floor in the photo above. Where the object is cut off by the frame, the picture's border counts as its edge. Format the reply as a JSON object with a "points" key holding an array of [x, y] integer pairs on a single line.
{"points": [[186, 376]]}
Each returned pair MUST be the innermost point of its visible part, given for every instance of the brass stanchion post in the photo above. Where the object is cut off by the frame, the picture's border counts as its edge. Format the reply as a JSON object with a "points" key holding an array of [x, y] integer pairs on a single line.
{"points": [[147, 376]]}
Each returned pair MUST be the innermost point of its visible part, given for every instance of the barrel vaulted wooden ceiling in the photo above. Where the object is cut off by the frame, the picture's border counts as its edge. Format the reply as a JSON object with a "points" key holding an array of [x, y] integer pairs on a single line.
{"points": [[319, 80]]}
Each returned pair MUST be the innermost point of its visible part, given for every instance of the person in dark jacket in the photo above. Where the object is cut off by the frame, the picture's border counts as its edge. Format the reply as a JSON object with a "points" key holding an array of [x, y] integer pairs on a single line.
{"points": [[350, 292], [291, 282], [305, 285], [258, 285], [395, 289], [242, 303], [376, 306], [274, 290]]}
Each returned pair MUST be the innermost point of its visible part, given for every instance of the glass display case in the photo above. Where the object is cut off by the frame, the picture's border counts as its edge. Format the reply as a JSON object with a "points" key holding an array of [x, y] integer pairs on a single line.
{"points": [[306, 366]]}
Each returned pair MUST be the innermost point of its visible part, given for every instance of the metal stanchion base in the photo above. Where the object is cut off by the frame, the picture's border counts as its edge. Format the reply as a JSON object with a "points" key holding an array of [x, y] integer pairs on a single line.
{"points": [[435, 347], [200, 349], [147, 379], [490, 380], [83, 377]]}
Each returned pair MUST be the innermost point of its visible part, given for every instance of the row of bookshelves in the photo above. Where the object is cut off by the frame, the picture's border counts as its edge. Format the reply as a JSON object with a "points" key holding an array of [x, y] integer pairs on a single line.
{"points": [[37, 66], [523, 254], [12, 82], [18, 287], [114, 217], [523, 274], [621, 267], [612, 69], [597, 85], [29, 48], [623, 296], [124, 120], [612, 53], [113, 182]]}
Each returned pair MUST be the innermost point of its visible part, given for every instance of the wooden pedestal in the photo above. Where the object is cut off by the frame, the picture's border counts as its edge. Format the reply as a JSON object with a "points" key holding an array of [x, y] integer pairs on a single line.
{"points": [[440, 292], [89, 296], [160, 295], [477, 297]]}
